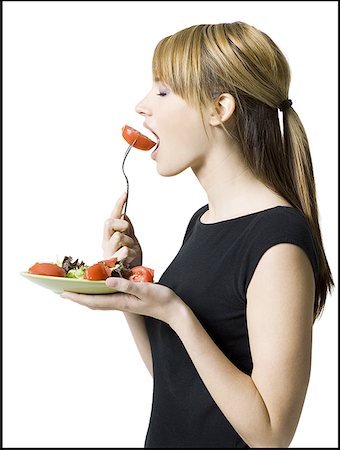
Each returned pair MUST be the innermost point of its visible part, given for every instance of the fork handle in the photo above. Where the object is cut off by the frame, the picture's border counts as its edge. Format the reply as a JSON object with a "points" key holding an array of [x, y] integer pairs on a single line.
{"points": [[127, 181]]}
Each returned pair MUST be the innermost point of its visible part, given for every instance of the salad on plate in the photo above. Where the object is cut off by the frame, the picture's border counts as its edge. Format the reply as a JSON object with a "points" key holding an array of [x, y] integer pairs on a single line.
{"points": [[76, 276]]}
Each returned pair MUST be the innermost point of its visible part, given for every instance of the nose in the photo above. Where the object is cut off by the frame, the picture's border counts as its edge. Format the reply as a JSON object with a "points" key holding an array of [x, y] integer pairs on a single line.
{"points": [[142, 108]]}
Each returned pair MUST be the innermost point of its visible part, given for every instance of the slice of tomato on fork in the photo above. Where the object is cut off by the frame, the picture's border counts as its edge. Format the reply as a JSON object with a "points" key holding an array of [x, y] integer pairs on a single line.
{"points": [[136, 138]]}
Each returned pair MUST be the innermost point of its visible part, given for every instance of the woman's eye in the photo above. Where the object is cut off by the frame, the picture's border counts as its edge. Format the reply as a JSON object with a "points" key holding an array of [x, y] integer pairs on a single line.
{"points": [[163, 91]]}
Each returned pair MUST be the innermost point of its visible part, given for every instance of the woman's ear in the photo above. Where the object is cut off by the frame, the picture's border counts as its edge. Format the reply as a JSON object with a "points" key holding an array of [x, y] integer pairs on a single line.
{"points": [[225, 106]]}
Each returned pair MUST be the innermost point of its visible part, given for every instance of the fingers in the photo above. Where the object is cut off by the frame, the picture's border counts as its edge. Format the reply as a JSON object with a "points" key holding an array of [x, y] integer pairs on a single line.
{"points": [[117, 211], [85, 300], [118, 246], [112, 225], [118, 240], [117, 301], [125, 254]]}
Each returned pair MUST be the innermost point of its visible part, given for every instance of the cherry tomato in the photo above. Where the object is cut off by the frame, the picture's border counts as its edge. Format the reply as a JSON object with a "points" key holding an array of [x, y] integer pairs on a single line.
{"points": [[97, 272], [47, 269], [142, 143], [141, 273]]}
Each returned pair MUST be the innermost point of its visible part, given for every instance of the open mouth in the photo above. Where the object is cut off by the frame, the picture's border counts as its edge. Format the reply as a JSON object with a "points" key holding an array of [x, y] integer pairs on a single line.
{"points": [[157, 144], [156, 136]]}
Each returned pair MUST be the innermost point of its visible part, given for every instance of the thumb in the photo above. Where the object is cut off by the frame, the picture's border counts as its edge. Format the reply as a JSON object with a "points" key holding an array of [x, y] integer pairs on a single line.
{"points": [[123, 285]]}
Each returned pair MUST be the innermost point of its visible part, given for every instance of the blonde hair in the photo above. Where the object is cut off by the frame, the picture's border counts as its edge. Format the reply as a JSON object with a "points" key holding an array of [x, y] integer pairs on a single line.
{"points": [[203, 61]]}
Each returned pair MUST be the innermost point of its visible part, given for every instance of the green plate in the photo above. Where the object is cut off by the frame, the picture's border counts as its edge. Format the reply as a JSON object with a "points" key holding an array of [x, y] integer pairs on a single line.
{"points": [[60, 284]]}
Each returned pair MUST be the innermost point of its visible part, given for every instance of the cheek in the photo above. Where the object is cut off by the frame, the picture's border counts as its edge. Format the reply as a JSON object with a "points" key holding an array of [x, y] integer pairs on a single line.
{"points": [[180, 150], [185, 137]]}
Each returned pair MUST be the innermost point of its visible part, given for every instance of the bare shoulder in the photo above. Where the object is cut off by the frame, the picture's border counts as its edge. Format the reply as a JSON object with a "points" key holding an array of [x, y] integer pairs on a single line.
{"points": [[283, 272]]}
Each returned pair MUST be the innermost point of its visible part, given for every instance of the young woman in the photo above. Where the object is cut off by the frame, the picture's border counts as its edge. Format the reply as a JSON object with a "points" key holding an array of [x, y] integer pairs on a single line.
{"points": [[227, 330]]}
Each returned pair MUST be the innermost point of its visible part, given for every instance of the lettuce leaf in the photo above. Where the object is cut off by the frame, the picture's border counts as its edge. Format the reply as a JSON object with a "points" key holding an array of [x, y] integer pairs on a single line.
{"points": [[68, 264], [77, 273]]}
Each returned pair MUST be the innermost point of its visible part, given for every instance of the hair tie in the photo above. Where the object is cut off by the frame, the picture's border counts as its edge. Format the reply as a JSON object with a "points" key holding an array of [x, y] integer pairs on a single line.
{"points": [[286, 104]]}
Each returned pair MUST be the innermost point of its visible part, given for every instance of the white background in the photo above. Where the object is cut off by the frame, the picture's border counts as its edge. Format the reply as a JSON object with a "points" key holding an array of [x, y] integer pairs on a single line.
{"points": [[73, 72]]}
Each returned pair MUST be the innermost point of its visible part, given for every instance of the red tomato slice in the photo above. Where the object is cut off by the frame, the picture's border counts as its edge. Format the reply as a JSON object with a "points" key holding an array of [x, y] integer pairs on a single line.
{"points": [[97, 272], [142, 143], [110, 262], [141, 273], [47, 269]]}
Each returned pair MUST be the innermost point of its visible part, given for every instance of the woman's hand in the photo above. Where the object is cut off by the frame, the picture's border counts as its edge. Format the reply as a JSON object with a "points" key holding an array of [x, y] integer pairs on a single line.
{"points": [[119, 240], [147, 299]]}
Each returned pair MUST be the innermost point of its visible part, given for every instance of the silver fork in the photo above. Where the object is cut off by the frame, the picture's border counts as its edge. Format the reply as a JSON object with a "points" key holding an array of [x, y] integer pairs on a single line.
{"points": [[127, 181]]}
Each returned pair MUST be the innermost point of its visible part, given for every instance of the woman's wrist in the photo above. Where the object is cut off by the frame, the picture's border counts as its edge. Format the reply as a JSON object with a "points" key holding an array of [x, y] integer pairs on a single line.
{"points": [[179, 315]]}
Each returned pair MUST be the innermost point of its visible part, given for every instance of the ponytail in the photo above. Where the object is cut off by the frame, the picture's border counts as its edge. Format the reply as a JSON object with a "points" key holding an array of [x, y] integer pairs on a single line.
{"points": [[296, 145], [283, 163]]}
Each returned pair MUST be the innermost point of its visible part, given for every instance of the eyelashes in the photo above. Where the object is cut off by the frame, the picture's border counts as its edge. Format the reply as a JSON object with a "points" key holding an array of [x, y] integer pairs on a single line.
{"points": [[163, 91]]}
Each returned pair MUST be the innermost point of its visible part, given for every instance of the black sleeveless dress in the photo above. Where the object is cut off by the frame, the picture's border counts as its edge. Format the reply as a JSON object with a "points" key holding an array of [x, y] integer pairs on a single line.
{"points": [[211, 273]]}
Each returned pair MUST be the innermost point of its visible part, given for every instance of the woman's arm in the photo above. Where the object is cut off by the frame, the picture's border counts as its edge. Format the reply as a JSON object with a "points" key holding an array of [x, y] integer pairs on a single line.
{"points": [[120, 241], [264, 408], [138, 330]]}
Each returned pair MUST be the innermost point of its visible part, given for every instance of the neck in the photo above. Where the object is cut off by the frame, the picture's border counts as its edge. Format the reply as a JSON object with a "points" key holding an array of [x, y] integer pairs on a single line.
{"points": [[231, 187]]}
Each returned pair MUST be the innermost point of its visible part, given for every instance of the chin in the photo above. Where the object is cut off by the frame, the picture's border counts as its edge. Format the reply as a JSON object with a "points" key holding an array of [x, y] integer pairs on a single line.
{"points": [[169, 171]]}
